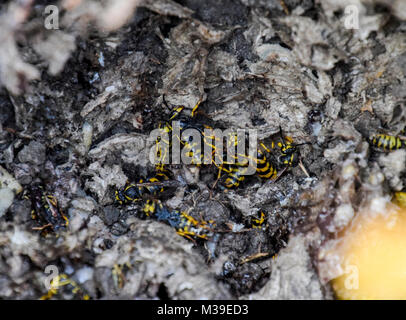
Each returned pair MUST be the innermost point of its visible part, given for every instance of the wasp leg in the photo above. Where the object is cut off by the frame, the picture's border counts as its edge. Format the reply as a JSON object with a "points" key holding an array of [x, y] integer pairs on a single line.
{"points": [[221, 168], [43, 227], [301, 165], [280, 174], [195, 108], [184, 234]]}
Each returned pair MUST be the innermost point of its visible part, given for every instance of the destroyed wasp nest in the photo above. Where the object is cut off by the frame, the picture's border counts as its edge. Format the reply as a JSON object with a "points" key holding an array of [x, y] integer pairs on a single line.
{"points": [[77, 106]]}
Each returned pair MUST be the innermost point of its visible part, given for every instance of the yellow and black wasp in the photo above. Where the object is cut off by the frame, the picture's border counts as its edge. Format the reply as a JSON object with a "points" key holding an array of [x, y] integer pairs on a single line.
{"points": [[236, 172], [184, 122], [63, 283], [189, 227], [163, 152], [288, 157], [151, 207], [135, 192], [118, 274], [236, 165], [386, 142], [258, 221], [265, 169], [45, 210], [235, 175], [184, 224], [193, 151]]}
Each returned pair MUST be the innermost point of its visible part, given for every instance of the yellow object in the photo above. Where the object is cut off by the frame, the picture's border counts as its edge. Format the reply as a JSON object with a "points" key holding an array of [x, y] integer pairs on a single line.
{"points": [[400, 199], [374, 253], [60, 281]]}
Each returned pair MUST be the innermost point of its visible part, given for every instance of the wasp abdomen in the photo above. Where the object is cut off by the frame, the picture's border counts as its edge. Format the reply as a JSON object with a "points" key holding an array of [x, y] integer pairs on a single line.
{"points": [[387, 142], [265, 169], [134, 192], [46, 211], [235, 176]]}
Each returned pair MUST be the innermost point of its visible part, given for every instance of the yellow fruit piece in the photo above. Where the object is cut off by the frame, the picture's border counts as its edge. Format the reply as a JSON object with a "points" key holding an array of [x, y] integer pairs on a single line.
{"points": [[374, 258]]}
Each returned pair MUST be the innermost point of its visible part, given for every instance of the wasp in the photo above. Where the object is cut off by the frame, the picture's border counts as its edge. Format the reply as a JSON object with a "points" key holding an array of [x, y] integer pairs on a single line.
{"points": [[257, 222], [134, 193], [193, 152], [387, 142], [184, 122], [265, 169], [163, 214], [217, 154], [152, 207], [118, 276], [236, 174], [185, 225], [235, 169], [189, 227], [46, 211], [289, 156], [63, 280]]}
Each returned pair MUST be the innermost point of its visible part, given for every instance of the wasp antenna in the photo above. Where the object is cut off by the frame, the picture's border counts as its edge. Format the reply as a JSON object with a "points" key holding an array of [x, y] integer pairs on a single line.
{"points": [[279, 175], [164, 101], [301, 144], [195, 107], [282, 136], [301, 165], [280, 130]]}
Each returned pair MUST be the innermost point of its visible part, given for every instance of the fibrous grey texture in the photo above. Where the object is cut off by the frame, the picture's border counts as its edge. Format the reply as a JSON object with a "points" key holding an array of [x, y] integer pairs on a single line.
{"points": [[293, 275], [9, 187], [83, 131]]}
